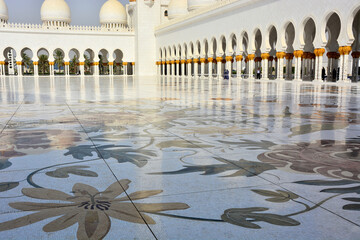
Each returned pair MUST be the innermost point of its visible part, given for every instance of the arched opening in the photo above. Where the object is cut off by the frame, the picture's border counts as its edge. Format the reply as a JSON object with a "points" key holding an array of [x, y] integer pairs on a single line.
{"points": [[103, 62], [10, 61], [206, 55], [289, 69], [74, 55], [59, 67], [356, 47], [222, 53], [272, 42], [89, 56], [245, 45], [233, 49], [27, 62], [165, 62], [192, 50], [308, 71], [43, 63], [180, 57], [118, 62], [258, 40], [186, 56], [332, 32]]}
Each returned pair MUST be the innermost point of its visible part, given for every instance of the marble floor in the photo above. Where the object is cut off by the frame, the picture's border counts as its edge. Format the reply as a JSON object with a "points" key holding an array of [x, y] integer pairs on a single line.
{"points": [[168, 158]]}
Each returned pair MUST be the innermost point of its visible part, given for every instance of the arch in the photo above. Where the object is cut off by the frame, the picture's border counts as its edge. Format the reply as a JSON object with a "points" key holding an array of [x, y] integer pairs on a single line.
{"points": [[26, 59], [197, 48], [185, 50], [103, 62], [59, 61], [10, 58], [356, 30], [257, 42], [118, 56], [175, 53], [169, 53], [351, 21], [308, 34], [205, 49], [43, 61], [222, 45], [244, 42], [213, 48], [232, 45], [191, 49], [179, 50], [89, 57], [272, 38], [74, 56], [331, 31]]}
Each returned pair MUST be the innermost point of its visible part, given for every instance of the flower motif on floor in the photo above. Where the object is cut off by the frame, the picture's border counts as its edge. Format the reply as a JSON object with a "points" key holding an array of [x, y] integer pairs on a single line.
{"points": [[326, 157], [88, 207]]}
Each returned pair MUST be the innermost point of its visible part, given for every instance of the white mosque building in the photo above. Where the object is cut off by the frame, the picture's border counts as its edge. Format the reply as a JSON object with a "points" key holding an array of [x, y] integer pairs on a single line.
{"points": [[297, 40]]}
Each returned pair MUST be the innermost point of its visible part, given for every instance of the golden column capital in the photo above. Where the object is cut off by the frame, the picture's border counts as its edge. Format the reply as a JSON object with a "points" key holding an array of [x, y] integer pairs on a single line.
{"points": [[18, 63], [289, 56], [202, 60], [163, 62], [251, 57], [210, 59], [67, 63], [280, 55], [177, 61], [298, 53], [219, 59], [188, 60], [228, 58], [319, 52], [35, 63], [345, 50], [125, 63], [172, 62], [196, 60], [238, 58], [265, 56], [183, 61], [132, 63], [110, 63], [81, 63]]}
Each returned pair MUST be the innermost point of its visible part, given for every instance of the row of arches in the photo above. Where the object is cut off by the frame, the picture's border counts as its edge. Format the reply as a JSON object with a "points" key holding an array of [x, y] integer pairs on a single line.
{"points": [[289, 52], [59, 62]]}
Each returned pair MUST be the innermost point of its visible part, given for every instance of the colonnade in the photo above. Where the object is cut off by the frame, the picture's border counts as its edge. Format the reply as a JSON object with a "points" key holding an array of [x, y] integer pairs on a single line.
{"points": [[297, 66], [128, 68]]}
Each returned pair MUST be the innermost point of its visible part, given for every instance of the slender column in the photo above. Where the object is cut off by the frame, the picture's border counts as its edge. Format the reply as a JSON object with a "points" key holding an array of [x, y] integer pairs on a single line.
{"points": [[172, 62], [265, 61], [189, 61], [182, 67], [36, 69], [280, 69], [111, 68], [355, 67], [196, 67], [82, 68], [228, 64], [210, 60], [344, 52], [2, 72], [168, 68], [19, 68], [177, 67], [157, 68], [238, 59], [133, 68], [163, 68], [218, 65], [202, 67], [251, 63], [51, 67], [125, 64], [298, 55], [319, 52]]}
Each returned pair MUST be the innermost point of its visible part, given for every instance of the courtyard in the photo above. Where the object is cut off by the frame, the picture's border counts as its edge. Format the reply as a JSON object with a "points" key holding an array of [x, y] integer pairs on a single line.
{"points": [[178, 158]]}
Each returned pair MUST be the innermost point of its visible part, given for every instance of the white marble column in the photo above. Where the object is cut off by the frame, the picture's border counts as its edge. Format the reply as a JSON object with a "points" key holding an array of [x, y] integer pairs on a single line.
{"points": [[319, 52], [218, 65], [238, 66], [355, 66], [344, 62], [228, 64], [210, 60], [280, 69], [172, 62], [202, 67], [19, 68], [265, 66], [251, 62], [182, 68], [111, 68], [177, 67], [125, 68], [196, 67], [189, 61]]}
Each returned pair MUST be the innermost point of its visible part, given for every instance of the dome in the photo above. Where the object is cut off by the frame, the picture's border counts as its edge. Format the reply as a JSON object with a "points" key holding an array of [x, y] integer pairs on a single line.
{"points": [[177, 8], [113, 12], [4, 15], [196, 4], [55, 10]]}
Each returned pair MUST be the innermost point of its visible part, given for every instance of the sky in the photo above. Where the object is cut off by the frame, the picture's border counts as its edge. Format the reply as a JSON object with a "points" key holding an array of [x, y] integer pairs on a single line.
{"points": [[83, 12]]}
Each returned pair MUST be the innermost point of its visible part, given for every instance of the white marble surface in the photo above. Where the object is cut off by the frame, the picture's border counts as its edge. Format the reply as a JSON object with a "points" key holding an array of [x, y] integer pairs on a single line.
{"points": [[284, 157]]}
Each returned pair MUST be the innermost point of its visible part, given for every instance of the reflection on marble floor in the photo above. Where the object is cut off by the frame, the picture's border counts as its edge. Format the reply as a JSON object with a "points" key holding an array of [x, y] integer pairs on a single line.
{"points": [[170, 158]]}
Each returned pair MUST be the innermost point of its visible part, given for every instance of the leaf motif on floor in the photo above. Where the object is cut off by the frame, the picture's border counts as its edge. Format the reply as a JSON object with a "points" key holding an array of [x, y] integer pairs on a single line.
{"points": [[76, 170]]}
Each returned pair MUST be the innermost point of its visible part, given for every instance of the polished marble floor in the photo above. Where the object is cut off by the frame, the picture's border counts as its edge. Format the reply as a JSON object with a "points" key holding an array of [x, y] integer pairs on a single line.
{"points": [[164, 158]]}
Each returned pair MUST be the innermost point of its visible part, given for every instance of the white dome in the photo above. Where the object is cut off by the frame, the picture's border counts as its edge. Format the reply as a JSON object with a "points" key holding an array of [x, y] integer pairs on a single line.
{"points": [[55, 10], [177, 8], [113, 12], [196, 4], [4, 15]]}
